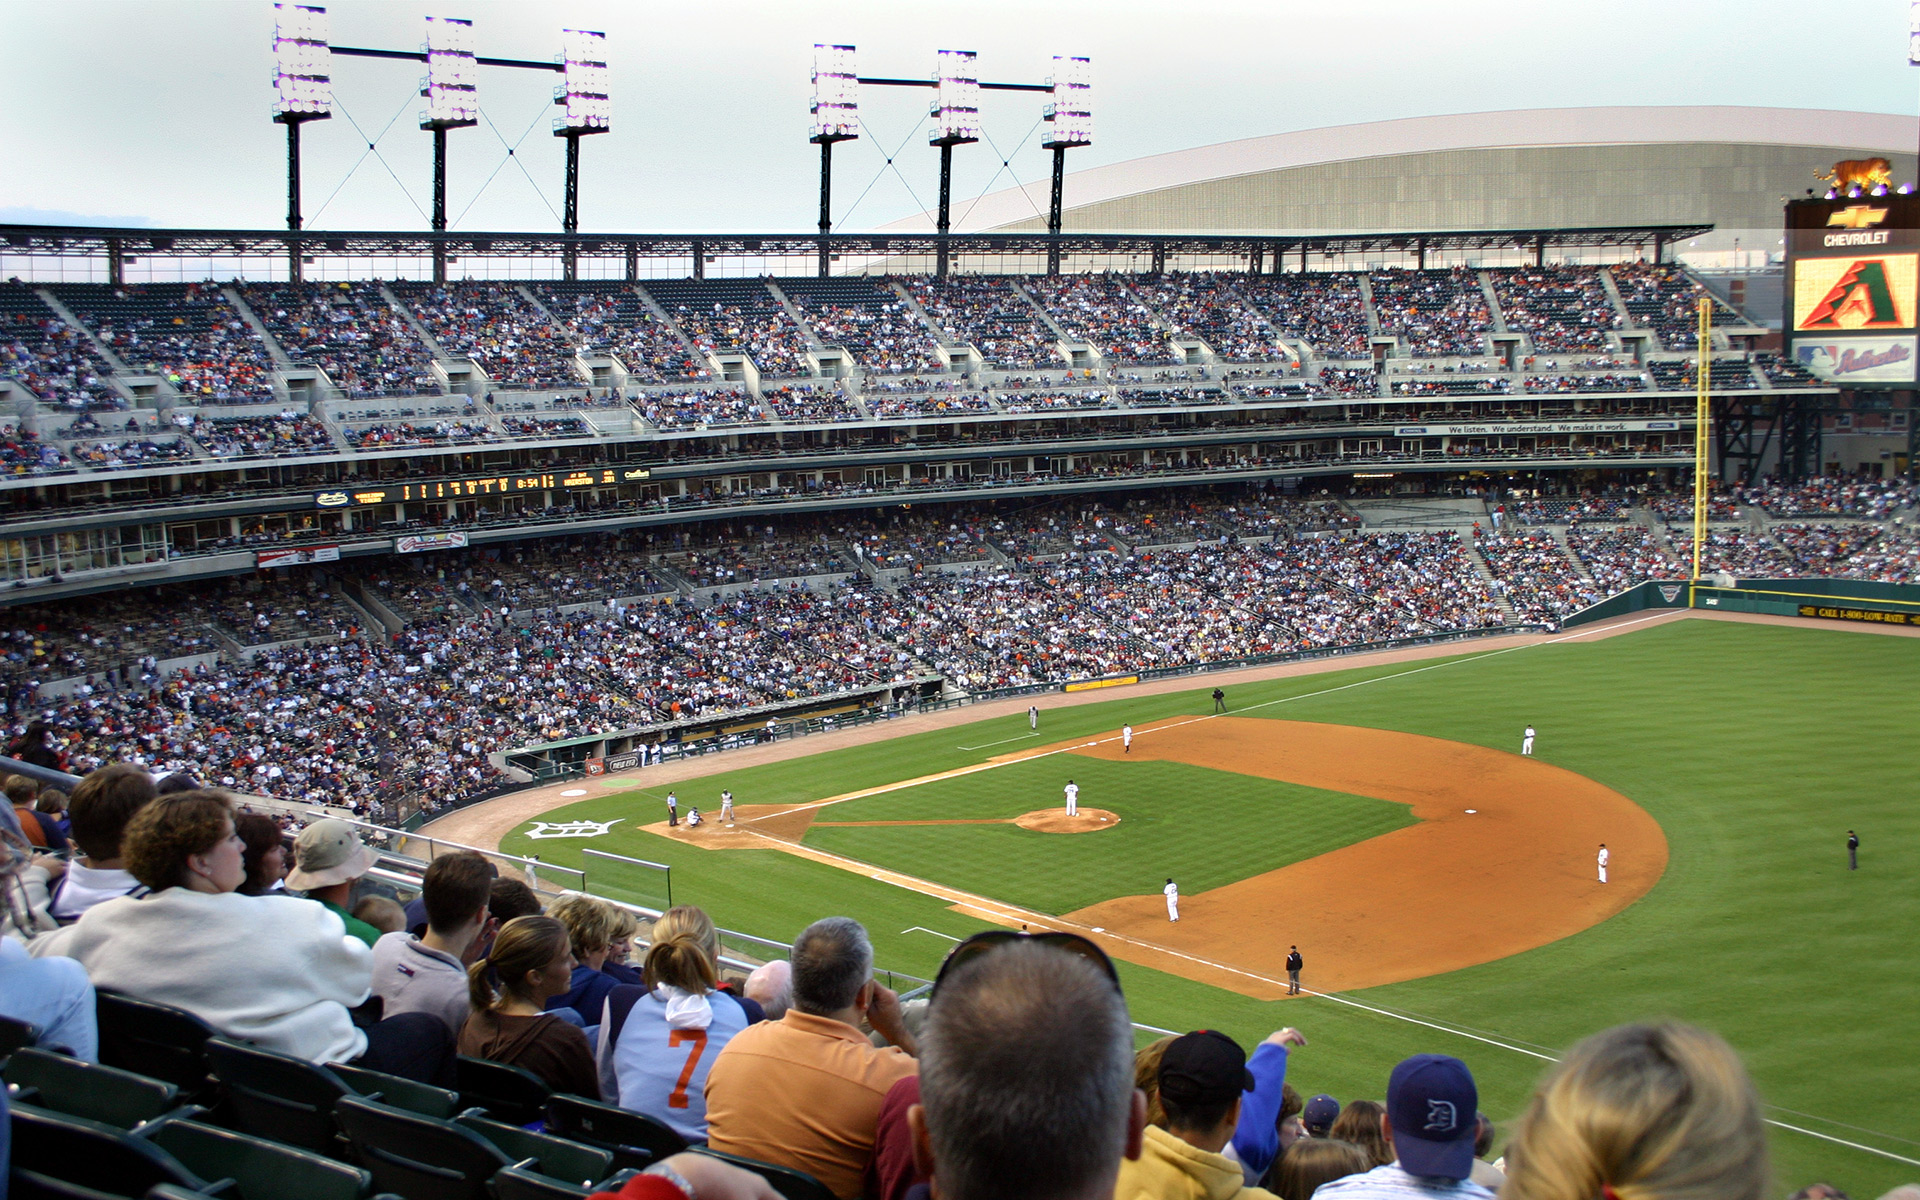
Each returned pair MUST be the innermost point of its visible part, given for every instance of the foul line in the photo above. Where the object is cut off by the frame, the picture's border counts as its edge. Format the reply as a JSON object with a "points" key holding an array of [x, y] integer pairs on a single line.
{"points": [[1003, 741], [924, 929]]}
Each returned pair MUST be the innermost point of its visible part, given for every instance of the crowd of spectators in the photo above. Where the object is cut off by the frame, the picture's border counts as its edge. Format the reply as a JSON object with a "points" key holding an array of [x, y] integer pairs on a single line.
{"points": [[1102, 310], [1611, 382], [1821, 549], [1535, 576], [613, 319], [1723, 374], [884, 333], [1210, 307], [394, 435], [1559, 308], [1665, 298], [497, 328], [1620, 557], [810, 403], [546, 427], [348, 330], [1783, 372], [132, 452], [887, 399], [1326, 310], [993, 315], [743, 320], [1832, 496], [912, 541], [1355, 382], [22, 453], [1456, 385], [284, 433], [52, 359], [1436, 314], [1741, 553], [678, 410], [186, 332]]}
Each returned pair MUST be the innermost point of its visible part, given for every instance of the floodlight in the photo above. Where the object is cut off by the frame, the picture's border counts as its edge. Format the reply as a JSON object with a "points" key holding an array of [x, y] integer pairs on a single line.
{"points": [[1071, 112], [836, 95], [584, 95], [452, 89], [302, 63], [956, 104]]}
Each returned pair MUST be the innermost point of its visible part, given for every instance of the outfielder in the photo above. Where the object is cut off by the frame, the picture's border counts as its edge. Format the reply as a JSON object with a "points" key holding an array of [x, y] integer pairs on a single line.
{"points": [[1603, 862], [1526, 742], [726, 806], [1073, 798], [1033, 716], [1172, 892], [1126, 739]]}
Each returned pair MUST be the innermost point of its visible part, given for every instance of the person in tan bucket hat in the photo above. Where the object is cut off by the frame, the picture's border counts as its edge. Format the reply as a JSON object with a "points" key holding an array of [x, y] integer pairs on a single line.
{"points": [[327, 857]]}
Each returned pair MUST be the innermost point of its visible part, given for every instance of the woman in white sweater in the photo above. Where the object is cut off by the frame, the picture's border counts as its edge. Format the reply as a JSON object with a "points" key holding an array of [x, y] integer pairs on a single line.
{"points": [[273, 970]]}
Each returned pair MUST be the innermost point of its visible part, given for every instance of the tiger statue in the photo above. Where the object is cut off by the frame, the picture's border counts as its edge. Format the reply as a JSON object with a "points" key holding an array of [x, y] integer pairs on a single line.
{"points": [[1863, 173]]}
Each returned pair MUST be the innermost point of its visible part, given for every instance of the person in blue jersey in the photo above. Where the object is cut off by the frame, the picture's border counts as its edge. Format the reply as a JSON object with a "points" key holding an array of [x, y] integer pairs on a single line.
{"points": [[660, 1039]]}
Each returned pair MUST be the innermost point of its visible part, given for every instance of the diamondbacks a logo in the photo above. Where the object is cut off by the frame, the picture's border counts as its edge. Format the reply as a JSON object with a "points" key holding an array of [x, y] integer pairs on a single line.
{"points": [[571, 829], [1832, 295], [1669, 592], [1857, 216], [1441, 1117]]}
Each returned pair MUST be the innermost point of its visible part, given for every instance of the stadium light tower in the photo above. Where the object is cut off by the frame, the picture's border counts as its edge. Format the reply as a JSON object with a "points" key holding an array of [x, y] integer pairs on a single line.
{"points": [[588, 107], [1071, 118], [303, 84], [836, 118], [1913, 53], [956, 122], [453, 102]]}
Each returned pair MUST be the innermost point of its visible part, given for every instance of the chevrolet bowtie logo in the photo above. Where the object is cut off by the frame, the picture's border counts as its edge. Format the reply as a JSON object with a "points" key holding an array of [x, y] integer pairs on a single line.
{"points": [[1857, 216]]}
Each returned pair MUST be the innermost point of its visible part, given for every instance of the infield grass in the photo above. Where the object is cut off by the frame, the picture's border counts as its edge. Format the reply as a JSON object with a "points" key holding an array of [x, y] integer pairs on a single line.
{"points": [[1755, 747]]}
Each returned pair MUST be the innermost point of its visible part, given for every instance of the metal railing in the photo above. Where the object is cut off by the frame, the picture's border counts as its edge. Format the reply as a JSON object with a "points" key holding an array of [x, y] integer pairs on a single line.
{"points": [[400, 843]]}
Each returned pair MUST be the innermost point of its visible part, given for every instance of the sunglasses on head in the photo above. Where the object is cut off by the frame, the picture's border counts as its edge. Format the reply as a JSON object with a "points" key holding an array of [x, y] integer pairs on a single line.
{"points": [[993, 939]]}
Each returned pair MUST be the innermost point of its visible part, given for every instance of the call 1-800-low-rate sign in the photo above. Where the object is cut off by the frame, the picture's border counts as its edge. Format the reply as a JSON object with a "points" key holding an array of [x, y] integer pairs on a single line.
{"points": [[1853, 288]]}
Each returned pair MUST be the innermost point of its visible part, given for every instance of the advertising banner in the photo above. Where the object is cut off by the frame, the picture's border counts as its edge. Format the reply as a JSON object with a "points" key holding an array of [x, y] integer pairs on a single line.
{"points": [[292, 558], [1528, 427], [1857, 359], [429, 541]]}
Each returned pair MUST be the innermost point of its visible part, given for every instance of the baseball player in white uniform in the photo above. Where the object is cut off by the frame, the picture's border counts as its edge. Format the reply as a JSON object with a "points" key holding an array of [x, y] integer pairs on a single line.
{"points": [[1603, 862], [726, 807], [1073, 798], [1172, 892], [1033, 717], [1126, 739], [1526, 742]]}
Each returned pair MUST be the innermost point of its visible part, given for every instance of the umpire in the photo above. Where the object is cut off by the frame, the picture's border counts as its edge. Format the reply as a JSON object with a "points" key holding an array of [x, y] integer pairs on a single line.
{"points": [[1853, 851]]}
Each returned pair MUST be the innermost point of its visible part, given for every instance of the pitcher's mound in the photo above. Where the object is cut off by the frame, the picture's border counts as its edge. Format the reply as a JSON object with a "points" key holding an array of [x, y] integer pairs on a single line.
{"points": [[1056, 820]]}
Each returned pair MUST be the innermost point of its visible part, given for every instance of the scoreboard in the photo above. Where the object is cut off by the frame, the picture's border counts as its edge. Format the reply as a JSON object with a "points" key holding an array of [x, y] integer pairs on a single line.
{"points": [[1853, 288], [469, 487]]}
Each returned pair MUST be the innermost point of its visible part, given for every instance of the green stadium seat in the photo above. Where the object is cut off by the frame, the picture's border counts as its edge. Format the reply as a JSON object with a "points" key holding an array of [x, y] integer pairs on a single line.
{"points": [[419, 1157], [518, 1183], [157, 1041], [73, 1150], [108, 1095], [32, 1185], [261, 1170], [508, 1093], [791, 1184], [15, 1034], [422, 1098], [554, 1157], [278, 1097], [635, 1139]]}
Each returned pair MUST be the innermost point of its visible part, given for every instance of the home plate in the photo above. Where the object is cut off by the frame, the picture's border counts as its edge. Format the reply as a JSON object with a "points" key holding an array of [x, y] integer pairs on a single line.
{"points": [[574, 792]]}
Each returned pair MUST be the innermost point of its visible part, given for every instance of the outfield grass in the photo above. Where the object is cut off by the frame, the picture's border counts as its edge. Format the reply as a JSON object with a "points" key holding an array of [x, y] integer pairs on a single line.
{"points": [[1755, 747]]}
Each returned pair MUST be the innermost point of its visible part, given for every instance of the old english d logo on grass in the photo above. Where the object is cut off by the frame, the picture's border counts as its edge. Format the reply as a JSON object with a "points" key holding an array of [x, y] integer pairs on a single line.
{"points": [[572, 829]]}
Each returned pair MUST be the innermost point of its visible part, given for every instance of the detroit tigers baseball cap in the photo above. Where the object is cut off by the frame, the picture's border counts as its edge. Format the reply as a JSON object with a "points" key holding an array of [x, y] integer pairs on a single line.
{"points": [[1432, 1102], [1204, 1067], [1320, 1114]]}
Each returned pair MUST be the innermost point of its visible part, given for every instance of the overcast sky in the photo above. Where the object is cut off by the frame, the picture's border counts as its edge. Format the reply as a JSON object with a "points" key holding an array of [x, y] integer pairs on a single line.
{"points": [[155, 113]]}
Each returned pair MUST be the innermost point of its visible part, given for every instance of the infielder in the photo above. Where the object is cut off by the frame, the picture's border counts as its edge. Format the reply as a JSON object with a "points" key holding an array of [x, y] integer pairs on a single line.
{"points": [[1073, 798], [1603, 862], [673, 809], [1172, 892], [726, 807], [1126, 739], [1294, 965], [1033, 717], [1853, 851], [1526, 742]]}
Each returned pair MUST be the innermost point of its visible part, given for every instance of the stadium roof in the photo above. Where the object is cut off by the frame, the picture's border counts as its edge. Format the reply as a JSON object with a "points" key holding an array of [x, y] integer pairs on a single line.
{"points": [[1844, 132]]}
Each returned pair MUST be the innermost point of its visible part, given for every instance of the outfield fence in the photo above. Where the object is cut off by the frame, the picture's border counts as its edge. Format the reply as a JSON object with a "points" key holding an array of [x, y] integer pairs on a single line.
{"points": [[1857, 600]]}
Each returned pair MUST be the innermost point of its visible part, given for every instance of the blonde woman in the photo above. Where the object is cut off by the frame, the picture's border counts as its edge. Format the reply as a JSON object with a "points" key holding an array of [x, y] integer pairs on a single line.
{"points": [[1359, 1123], [1642, 1112], [660, 1039], [590, 924], [530, 963]]}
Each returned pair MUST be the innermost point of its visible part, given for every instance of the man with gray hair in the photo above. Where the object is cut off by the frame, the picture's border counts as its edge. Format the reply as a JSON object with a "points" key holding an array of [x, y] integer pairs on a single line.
{"points": [[1026, 1085], [805, 1091], [771, 987]]}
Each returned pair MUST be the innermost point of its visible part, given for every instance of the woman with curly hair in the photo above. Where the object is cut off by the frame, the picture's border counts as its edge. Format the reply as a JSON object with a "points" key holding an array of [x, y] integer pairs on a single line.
{"points": [[278, 972]]}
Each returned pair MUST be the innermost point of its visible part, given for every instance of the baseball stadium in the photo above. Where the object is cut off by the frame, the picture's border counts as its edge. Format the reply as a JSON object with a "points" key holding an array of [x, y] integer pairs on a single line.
{"points": [[1437, 586]]}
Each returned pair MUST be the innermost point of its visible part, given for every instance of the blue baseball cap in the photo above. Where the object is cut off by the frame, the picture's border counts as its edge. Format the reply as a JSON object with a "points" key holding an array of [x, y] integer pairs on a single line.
{"points": [[1434, 1107]]}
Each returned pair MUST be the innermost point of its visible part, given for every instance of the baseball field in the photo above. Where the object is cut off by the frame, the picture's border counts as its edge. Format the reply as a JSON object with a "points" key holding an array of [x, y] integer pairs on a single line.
{"points": [[1442, 888]]}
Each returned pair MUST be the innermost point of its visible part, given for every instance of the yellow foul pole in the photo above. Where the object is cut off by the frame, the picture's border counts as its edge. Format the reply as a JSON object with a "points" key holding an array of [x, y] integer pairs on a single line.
{"points": [[1702, 422]]}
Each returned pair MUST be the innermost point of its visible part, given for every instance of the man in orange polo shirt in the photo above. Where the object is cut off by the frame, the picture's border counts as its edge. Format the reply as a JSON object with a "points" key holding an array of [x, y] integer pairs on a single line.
{"points": [[805, 1091]]}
